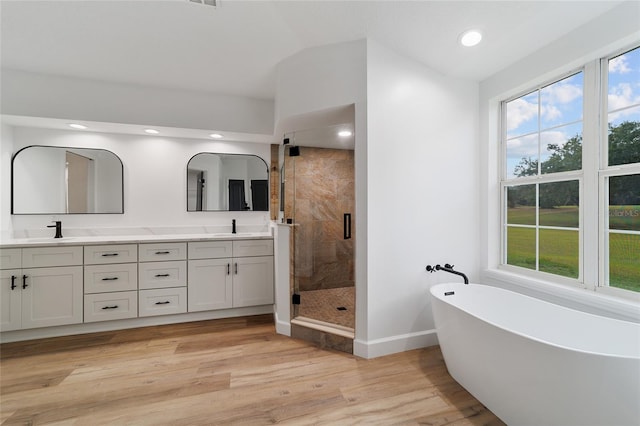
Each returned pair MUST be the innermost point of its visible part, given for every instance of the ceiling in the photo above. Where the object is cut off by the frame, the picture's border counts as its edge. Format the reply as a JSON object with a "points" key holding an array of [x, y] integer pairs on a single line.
{"points": [[234, 48]]}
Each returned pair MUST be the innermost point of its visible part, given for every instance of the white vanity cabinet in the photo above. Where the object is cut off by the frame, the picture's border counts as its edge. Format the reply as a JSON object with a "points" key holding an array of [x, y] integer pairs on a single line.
{"points": [[230, 274], [40, 287], [162, 278], [110, 286], [51, 284]]}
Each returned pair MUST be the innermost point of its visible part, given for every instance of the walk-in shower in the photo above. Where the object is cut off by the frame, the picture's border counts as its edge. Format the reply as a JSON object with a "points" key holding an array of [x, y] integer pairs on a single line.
{"points": [[319, 201]]}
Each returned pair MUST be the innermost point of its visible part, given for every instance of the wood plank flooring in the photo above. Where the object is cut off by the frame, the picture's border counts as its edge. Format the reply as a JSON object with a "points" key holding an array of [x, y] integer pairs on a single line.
{"points": [[230, 371]]}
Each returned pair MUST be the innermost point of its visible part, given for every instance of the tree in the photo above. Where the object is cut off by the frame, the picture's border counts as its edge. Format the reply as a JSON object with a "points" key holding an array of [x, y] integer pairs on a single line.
{"points": [[624, 143], [624, 148]]}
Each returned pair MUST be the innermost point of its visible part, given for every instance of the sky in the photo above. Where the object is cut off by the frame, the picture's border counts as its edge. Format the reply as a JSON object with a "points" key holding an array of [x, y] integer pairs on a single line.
{"points": [[553, 114]]}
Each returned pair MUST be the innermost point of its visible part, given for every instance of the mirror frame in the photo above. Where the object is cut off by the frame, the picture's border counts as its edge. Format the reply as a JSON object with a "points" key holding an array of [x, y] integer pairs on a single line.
{"points": [[225, 154], [13, 179]]}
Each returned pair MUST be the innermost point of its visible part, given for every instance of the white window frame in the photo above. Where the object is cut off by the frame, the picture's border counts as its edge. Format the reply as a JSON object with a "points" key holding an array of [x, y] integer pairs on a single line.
{"points": [[593, 177], [604, 173], [506, 182]]}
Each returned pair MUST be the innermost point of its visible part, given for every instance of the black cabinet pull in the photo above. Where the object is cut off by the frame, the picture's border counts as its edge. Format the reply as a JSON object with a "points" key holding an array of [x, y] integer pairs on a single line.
{"points": [[166, 302], [162, 275], [13, 282], [109, 254], [110, 307], [347, 226], [228, 269], [163, 252], [110, 279], [24, 282], [236, 267]]}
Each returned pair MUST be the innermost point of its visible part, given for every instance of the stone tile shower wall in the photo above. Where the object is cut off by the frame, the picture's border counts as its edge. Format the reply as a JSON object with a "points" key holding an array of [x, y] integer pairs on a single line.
{"points": [[319, 189]]}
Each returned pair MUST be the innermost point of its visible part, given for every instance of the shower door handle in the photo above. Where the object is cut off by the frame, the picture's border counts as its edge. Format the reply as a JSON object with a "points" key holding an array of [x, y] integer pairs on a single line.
{"points": [[347, 226]]}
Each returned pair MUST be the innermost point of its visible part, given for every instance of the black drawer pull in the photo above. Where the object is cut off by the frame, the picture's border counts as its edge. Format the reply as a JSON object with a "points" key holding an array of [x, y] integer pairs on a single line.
{"points": [[109, 254], [163, 303], [236, 268], [228, 269], [110, 307], [162, 275], [24, 282], [13, 282], [163, 252], [110, 279]]}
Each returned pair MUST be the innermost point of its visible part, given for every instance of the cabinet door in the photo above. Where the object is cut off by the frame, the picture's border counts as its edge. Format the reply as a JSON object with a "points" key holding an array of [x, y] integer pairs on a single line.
{"points": [[253, 281], [10, 299], [210, 284], [53, 296]]}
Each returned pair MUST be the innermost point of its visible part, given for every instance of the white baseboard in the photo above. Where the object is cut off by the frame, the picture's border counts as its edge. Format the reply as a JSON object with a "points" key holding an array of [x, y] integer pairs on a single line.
{"points": [[391, 345], [282, 327], [93, 327]]}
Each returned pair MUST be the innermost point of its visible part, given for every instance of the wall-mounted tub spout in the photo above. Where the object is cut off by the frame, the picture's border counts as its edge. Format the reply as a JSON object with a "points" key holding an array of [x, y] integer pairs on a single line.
{"points": [[447, 268]]}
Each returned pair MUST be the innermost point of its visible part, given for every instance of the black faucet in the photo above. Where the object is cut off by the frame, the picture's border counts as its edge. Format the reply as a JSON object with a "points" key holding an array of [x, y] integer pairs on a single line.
{"points": [[447, 268], [233, 226], [58, 226]]}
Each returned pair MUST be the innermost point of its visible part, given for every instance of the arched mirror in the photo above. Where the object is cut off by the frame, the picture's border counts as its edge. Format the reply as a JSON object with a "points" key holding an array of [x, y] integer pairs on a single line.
{"points": [[60, 180], [227, 182]]}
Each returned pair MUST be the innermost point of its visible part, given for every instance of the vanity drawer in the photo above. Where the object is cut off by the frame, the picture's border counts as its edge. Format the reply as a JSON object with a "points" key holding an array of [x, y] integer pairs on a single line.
{"points": [[162, 274], [210, 249], [162, 251], [163, 301], [37, 257], [108, 278], [243, 248], [115, 253], [110, 306], [10, 258]]}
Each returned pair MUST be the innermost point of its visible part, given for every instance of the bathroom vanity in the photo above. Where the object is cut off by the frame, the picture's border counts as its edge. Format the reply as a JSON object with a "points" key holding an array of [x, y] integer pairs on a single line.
{"points": [[76, 285]]}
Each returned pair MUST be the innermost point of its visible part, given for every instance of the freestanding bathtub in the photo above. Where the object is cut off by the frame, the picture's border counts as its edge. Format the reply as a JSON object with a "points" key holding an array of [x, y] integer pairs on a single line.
{"points": [[535, 363]]}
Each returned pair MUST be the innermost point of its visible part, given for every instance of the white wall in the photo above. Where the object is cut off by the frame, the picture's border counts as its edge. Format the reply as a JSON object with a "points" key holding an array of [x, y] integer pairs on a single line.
{"points": [[422, 151], [320, 78], [616, 29], [40, 95], [416, 156], [6, 151], [155, 170]]}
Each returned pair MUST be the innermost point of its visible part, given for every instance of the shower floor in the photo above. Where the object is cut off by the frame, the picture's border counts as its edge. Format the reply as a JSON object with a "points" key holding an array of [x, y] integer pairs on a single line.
{"points": [[323, 305]]}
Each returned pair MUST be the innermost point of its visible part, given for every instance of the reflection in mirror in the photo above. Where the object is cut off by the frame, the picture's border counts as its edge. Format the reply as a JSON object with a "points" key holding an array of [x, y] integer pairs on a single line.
{"points": [[59, 180], [231, 182]]}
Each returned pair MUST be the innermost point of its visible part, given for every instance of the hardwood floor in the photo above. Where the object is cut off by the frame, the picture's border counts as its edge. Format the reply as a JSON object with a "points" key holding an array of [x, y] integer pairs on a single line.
{"points": [[230, 371]]}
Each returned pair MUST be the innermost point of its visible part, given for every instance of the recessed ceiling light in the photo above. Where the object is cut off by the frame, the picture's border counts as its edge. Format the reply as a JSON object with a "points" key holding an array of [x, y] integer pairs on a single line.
{"points": [[216, 135], [470, 38], [344, 133], [151, 131], [77, 126]]}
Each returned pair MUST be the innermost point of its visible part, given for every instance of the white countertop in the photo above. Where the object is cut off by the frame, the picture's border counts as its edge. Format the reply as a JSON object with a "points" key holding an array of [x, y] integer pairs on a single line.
{"points": [[123, 239]]}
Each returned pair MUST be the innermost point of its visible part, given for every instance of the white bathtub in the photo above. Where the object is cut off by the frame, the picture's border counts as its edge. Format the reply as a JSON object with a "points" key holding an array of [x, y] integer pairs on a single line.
{"points": [[535, 363]]}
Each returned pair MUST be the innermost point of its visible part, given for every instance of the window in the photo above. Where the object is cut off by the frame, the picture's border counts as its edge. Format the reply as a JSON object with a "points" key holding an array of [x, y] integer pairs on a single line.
{"points": [[621, 173], [541, 188], [558, 168]]}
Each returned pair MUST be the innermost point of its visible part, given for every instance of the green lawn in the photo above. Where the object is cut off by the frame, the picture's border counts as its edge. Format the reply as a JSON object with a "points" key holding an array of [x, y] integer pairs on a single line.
{"points": [[559, 248]]}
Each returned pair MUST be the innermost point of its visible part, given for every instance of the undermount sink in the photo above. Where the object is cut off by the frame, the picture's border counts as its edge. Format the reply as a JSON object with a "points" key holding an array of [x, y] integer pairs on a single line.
{"points": [[47, 240]]}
